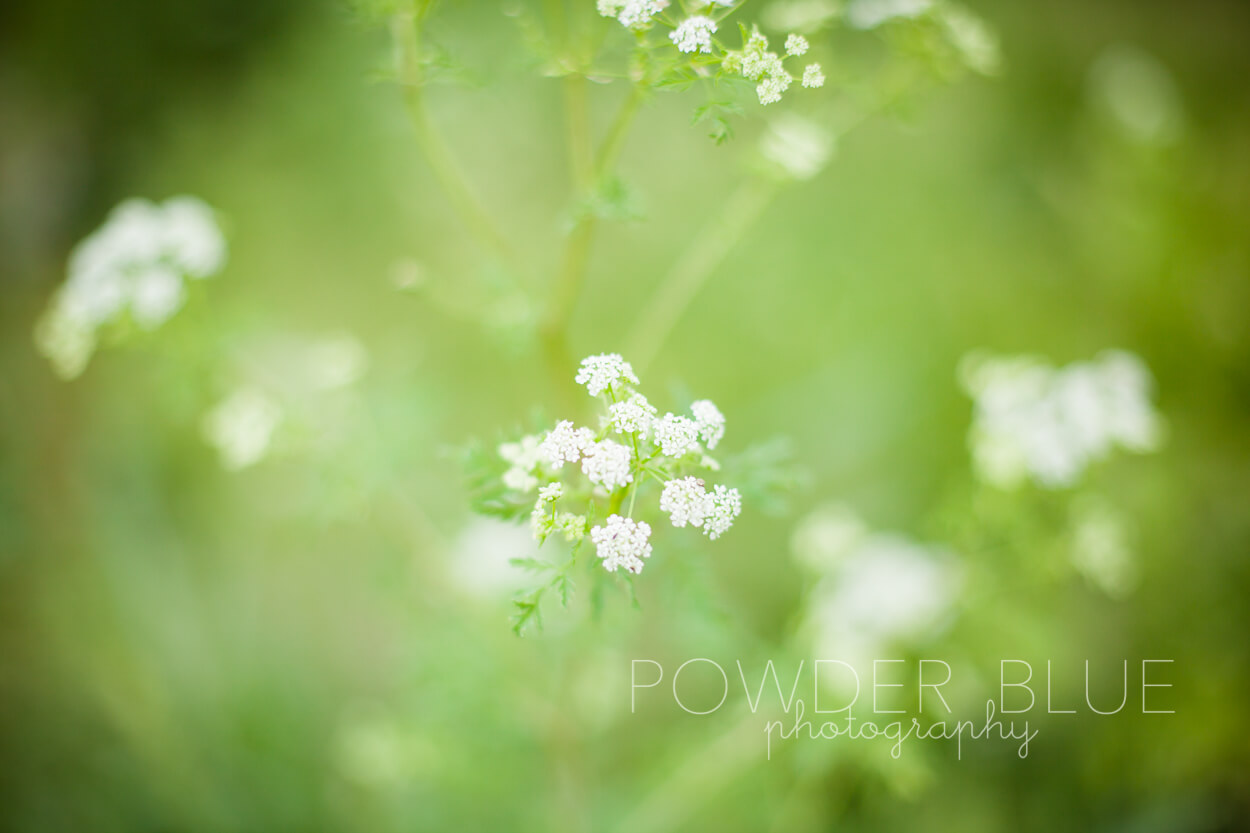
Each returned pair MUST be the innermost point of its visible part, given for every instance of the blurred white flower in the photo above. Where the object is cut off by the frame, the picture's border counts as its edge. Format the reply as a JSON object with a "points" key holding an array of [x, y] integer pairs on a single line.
{"points": [[887, 589], [798, 147], [136, 260], [800, 15], [65, 340], [709, 421], [607, 370], [622, 542], [869, 14], [480, 557], [1100, 549], [523, 457], [813, 77], [976, 42], [156, 294], [241, 426], [1137, 93], [694, 34], [826, 536], [190, 237], [336, 361], [1034, 421]]}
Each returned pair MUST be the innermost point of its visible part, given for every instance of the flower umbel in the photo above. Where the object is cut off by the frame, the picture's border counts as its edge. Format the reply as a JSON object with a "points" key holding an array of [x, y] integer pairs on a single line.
{"points": [[621, 464]]}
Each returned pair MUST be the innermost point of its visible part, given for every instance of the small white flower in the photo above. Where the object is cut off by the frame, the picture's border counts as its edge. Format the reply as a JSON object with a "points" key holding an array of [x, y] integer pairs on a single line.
{"points": [[565, 444], [610, 8], [633, 416], [637, 14], [598, 373], [677, 436], [551, 492], [686, 501], [726, 505], [607, 464], [709, 420], [771, 88], [694, 34], [622, 542], [813, 76], [796, 46], [241, 426]]}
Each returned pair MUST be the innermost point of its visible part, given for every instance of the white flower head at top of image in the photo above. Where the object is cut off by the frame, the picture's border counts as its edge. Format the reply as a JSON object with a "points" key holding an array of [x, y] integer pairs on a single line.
{"points": [[1033, 421], [136, 264], [694, 34]]}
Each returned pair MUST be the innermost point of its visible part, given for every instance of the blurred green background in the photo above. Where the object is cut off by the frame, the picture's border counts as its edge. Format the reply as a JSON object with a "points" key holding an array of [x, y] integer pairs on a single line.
{"points": [[320, 641]]}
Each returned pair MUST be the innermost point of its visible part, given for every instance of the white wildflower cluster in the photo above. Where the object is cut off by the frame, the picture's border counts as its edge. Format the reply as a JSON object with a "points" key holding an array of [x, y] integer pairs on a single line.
{"points": [[523, 457], [694, 34], [622, 542], [135, 263], [633, 416], [632, 14], [632, 447], [607, 370], [1034, 421], [687, 502], [676, 435], [755, 63], [608, 464], [565, 444]]}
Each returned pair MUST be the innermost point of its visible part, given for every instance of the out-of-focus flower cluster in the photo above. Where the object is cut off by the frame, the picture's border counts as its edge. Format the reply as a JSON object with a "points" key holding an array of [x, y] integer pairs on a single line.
{"points": [[287, 384], [1033, 421], [871, 590], [135, 266], [632, 447]]}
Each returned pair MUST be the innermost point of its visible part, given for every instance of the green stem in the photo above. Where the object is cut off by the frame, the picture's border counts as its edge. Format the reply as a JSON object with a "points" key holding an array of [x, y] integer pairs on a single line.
{"points": [[405, 31], [571, 272], [693, 268]]}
